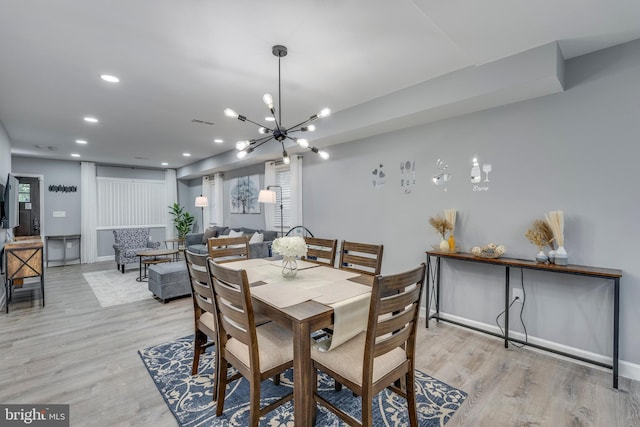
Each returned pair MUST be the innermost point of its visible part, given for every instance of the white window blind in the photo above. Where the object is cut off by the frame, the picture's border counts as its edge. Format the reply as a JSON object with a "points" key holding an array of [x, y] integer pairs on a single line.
{"points": [[131, 203], [283, 179]]}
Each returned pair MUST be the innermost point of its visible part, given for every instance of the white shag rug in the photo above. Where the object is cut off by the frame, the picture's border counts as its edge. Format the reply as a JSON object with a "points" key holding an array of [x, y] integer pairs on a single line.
{"points": [[111, 287]]}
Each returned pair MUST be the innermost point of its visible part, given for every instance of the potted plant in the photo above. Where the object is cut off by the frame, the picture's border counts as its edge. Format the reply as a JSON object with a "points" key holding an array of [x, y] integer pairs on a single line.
{"points": [[182, 219]]}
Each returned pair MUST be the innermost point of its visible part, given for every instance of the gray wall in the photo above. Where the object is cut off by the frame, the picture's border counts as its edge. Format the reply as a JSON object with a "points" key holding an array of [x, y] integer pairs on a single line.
{"points": [[576, 151], [68, 173], [189, 190], [56, 172]]}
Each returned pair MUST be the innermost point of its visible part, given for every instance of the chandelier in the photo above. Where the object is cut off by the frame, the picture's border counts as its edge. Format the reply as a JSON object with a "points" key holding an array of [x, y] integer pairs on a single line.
{"points": [[278, 132]]}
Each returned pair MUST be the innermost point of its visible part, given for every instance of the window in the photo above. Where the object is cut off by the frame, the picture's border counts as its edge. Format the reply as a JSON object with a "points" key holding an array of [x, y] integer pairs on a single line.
{"points": [[126, 202], [24, 193], [211, 196], [283, 179]]}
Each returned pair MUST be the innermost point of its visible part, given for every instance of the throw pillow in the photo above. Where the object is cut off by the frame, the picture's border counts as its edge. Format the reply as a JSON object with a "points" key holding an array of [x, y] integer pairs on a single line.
{"points": [[209, 232], [234, 233], [256, 238]]}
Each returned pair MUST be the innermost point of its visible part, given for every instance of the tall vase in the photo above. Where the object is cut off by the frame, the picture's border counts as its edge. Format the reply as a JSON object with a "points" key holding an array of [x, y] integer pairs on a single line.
{"points": [[289, 267], [561, 256]]}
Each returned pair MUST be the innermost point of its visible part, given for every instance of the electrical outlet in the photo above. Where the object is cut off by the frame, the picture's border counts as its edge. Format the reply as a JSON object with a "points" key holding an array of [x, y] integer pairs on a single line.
{"points": [[517, 293], [68, 245]]}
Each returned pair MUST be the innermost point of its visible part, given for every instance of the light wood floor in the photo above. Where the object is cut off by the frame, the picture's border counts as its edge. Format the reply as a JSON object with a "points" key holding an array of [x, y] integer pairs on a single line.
{"points": [[76, 352]]}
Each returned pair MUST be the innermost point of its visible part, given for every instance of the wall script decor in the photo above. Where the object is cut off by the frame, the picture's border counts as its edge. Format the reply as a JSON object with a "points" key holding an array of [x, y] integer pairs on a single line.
{"points": [[244, 195], [63, 188]]}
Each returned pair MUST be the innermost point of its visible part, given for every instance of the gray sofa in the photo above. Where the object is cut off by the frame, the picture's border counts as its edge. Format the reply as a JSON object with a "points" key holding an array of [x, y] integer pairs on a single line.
{"points": [[197, 242]]}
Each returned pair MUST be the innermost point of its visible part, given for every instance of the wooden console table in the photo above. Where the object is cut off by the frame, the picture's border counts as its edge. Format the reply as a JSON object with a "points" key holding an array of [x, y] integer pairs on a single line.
{"points": [[602, 273], [23, 258], [64, 239]]}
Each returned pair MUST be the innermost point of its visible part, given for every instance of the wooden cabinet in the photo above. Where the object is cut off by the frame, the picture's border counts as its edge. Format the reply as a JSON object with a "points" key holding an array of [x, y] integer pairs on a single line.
{"points": [[23, 259]]}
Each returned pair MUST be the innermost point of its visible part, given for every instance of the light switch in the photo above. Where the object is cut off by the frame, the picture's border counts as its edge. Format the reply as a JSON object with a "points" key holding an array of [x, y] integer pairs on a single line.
{"points": [[59, 214]]}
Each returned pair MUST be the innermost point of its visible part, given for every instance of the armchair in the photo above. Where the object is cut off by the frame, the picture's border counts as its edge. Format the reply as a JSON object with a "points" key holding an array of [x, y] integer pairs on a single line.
{"points": [[128, 241]]}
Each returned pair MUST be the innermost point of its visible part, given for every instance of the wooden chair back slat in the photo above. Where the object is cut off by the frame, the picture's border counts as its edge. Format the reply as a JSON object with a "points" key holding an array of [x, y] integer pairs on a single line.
{"points": [[321, 251], [225, 249], [394, 309], [362, 258], [202, 297], [233, 305]]}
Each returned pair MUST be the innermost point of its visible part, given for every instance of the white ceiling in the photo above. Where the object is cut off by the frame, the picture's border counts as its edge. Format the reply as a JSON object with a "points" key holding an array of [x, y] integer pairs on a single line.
{"points": [[189, 59]]}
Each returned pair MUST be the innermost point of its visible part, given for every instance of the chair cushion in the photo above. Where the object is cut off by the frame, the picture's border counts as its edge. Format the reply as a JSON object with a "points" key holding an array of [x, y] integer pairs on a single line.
{"points": [[347, 359], [207, 320], [275, 346]]}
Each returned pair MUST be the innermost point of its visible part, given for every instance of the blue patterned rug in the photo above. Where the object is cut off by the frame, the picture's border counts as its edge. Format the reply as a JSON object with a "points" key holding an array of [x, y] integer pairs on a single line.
{"points": [[189, 397]]}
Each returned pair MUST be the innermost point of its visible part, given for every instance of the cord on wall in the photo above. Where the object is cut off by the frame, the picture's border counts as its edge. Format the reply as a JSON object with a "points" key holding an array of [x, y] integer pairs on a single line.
{"points": [[513, 301]]}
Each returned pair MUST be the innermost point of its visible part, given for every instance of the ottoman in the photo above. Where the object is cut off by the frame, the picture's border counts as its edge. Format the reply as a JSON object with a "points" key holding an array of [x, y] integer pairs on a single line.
{"points": [[169, 280]]}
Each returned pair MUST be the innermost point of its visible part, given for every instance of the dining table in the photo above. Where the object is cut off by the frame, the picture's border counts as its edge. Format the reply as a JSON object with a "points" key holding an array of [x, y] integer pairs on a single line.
{"points": [[317, 297]]}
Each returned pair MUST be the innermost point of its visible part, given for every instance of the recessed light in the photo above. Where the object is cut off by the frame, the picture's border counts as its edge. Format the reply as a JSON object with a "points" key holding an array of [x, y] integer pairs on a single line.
{"points": [[270, 119], [75, 155], [164, 164], [81, 141], [186, 154], [218, 141], [90, 119], [109, 78]]}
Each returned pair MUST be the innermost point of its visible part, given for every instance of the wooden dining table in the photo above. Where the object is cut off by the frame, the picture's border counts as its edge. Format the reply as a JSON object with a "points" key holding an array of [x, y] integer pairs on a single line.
{"points": [[302, 318]]}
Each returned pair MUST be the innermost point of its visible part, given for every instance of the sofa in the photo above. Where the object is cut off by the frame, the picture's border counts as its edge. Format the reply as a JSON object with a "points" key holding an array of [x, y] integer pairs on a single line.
{"points": [[128, 241], [197, 242]]}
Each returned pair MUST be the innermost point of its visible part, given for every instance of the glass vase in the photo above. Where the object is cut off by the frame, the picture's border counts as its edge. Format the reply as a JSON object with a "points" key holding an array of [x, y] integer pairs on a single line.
{"points": [[289, 267]]}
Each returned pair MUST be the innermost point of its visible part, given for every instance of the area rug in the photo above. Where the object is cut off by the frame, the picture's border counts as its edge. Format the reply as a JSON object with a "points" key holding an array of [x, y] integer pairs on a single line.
{"points": [[111, 287], [190, 397]]}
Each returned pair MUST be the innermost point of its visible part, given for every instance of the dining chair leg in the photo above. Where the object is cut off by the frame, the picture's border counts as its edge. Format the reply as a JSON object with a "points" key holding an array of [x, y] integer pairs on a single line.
{"points": [[197, 350], [254, 403], [367, 410], [221, 381], [276, 379], [411, 398]]}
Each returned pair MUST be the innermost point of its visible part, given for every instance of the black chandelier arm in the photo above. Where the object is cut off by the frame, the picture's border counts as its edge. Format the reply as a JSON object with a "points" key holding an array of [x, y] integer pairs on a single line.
{"points": [[244, 119], [258, 142], [299, 125]]}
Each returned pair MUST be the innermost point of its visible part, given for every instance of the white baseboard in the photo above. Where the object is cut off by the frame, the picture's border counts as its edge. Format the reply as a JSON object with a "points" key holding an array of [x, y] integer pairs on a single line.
{"points": [[625, 369], [106, 258]]}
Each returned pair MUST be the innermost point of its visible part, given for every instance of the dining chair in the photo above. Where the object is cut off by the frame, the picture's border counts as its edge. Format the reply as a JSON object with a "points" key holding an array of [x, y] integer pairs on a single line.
{"points": [[363, 258], [226, 249], [382, 355], [321, 251], [257, 353], [203, 310]]}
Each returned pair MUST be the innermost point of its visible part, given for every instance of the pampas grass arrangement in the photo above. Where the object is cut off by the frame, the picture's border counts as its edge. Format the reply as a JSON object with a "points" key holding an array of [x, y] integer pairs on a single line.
{"points": [[450, 216], [540, 234], [555, 219], [441, 225]]}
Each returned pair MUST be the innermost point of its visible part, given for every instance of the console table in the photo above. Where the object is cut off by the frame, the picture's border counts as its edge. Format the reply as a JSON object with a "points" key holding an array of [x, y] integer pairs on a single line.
{"points": [[602, 273], [64, 239], [23, 259]]}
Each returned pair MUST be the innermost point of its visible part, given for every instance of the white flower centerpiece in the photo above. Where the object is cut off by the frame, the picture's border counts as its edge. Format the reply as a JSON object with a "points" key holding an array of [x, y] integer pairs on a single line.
{"points": [[290, 248]]}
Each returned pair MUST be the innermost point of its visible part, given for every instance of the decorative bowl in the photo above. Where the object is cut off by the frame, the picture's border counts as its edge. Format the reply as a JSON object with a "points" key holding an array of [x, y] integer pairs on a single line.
{"points": [[490, 250]]}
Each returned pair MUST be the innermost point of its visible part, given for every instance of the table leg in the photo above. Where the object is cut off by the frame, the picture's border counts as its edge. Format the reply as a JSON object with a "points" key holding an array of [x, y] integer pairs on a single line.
{"points": [[616, 329], [506, 308], [304, 406], [139, 271]]}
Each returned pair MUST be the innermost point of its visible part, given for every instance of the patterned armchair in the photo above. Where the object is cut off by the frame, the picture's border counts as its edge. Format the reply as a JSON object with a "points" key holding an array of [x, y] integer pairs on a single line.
{"points": [[128, 241]]}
